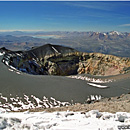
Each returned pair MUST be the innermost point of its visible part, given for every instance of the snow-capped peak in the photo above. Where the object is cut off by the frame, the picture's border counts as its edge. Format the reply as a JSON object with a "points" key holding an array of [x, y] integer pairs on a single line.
{"points": [[97, 33], [104, 34], [114, 32]]}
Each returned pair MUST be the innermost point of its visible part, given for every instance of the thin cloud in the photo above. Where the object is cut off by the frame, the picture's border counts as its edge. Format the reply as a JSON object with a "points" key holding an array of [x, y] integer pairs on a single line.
{"points": [[125, 25], [21, 30], [93, 5]]}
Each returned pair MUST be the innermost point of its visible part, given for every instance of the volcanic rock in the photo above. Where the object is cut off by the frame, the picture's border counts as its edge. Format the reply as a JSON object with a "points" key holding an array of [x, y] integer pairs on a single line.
{"points": [[58, 60]]}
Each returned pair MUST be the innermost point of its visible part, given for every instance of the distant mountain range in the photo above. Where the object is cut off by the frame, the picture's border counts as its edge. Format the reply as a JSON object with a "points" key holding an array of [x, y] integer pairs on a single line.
{"points": [[115, 43]]}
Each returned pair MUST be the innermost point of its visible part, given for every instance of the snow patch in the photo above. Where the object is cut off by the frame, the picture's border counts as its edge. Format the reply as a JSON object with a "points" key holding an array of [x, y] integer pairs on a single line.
{"points": [[28, 102], [93, 98], [97, 85], [12, 69], [2, 53], [93, 80], [55, 50]]}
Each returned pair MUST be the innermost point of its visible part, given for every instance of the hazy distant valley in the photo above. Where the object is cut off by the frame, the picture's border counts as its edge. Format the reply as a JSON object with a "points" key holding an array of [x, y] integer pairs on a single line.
{"points": [[115, 43]]}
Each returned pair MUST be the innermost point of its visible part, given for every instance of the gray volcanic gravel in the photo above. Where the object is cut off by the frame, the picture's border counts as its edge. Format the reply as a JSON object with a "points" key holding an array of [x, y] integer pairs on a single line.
{"points": [[64, 89]]}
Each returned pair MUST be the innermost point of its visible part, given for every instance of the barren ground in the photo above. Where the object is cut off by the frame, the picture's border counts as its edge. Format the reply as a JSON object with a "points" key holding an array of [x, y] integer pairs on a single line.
{"points": [[113, 105]]}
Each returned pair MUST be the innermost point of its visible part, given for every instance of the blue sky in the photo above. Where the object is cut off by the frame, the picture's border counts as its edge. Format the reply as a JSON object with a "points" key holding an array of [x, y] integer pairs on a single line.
{"points": [[65, 16]]}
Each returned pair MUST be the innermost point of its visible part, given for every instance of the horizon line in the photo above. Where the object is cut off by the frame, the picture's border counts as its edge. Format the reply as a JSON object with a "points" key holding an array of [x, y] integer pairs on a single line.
{"points": [[66, 0], [22, 30], [57, 31]]}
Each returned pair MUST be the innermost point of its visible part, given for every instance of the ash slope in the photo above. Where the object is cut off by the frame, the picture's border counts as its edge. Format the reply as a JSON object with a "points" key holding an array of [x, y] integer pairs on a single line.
{"points": [[23, 91]]}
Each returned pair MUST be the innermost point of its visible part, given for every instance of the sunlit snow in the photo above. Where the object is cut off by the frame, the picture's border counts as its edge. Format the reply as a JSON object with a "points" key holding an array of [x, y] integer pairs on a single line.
{"points": [[97, 85], [93, 80], [66, 120], [28, 102], [2, 53]]}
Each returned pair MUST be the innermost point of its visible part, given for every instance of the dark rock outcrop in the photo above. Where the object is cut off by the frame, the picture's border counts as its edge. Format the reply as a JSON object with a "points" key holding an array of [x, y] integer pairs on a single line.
{"points": [[58, 60]]}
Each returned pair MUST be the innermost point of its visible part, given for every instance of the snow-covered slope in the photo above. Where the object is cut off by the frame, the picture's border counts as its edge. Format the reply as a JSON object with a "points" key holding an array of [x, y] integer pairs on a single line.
{"points": [[92, 120]]}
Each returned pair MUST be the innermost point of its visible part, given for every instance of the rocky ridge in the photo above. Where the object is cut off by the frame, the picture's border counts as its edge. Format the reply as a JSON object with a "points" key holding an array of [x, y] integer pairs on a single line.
{"points": [[58, 60], [113, 105]]}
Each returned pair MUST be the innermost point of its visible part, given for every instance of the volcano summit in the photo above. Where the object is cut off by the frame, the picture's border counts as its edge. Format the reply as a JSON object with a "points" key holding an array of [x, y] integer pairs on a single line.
{"points": [[58, 60]]}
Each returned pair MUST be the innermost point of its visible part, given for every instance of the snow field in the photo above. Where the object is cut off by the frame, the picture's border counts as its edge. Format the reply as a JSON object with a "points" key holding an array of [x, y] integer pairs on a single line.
{"points": [[66, 120]]}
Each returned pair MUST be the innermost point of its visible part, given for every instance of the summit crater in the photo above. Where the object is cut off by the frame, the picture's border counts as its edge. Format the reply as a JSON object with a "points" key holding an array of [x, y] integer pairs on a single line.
{"points": [[59, 60]]}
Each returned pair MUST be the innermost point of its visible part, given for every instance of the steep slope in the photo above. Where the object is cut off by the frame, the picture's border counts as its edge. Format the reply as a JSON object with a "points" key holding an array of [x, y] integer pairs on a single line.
{"points": [[101, 64]]}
